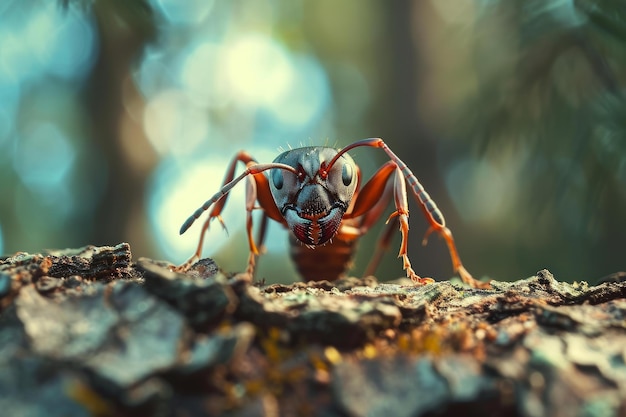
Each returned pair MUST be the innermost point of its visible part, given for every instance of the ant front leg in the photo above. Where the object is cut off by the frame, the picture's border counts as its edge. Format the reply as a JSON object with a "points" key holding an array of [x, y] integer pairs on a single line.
{"points": [[369, 205], [254, 252], [216, 210], [257, 189], [402, 213]]}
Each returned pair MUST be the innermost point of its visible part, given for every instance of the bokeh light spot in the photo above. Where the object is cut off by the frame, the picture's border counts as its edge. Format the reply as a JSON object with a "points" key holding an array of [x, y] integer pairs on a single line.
{"points": [[185, 12], [258, 70], [47, 40], [72, 52], [307, 96], [43, 157], [199, 75], [174, 124], [15, 61], [153, 72], [41, 34]]}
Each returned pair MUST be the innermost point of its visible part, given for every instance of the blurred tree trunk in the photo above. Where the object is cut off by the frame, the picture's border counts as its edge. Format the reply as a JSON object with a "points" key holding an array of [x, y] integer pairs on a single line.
{"points": [[123, 30]]}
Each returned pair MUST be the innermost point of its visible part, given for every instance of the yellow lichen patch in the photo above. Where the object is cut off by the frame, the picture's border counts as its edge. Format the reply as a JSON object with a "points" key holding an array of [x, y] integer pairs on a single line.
{"points": [[369, 351], [404, 342], [271, 344], [275, 366], [431, 341], [332, 355], [91, 400], [440, 339]]}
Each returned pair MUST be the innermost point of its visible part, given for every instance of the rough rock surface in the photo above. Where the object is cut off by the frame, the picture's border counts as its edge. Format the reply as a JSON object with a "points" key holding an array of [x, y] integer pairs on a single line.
{"points": [[89, 332]]}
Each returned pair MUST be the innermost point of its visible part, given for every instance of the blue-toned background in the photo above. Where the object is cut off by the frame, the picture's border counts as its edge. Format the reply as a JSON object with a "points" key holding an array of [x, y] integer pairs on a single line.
{"points": [[118, 119]]}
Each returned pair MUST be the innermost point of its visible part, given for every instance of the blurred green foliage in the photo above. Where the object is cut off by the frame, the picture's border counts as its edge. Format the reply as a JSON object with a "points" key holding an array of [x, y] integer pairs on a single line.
{"points": [[559, 103], [511, 114]]}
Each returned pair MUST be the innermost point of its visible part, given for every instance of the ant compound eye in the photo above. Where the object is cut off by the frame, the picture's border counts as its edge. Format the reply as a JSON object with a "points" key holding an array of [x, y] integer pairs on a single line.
{"points": [[346, 174], [277, 178]]}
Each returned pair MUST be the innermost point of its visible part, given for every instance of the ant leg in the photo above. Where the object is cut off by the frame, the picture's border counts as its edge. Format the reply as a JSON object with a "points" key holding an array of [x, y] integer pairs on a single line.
{"points": [[402, 213]]}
